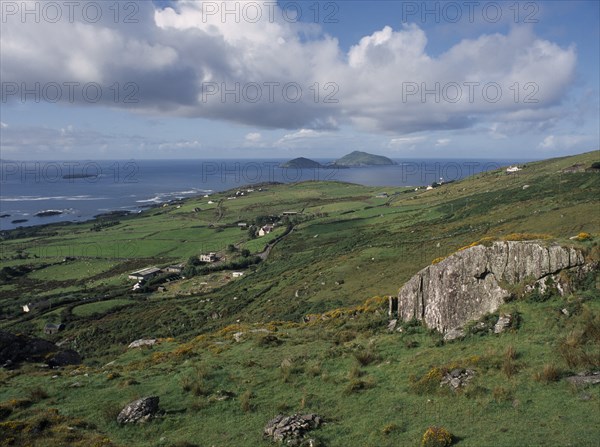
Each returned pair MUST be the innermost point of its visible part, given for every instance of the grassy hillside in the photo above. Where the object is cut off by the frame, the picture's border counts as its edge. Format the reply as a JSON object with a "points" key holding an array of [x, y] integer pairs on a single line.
{"points": [[345, 246]]}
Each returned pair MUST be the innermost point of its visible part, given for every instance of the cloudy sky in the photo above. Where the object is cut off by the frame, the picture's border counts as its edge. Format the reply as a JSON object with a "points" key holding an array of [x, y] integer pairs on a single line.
{"points": [[265, 79]]}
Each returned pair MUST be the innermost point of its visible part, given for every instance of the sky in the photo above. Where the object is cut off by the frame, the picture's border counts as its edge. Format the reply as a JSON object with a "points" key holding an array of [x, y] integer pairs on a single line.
{"points": [[265, 79]]}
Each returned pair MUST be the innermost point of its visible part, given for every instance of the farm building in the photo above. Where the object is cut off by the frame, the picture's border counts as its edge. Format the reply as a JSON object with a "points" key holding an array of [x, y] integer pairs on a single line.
{"points": [[144, 274], [52, 328], [178, 268], [210, 257], [265, 230]]}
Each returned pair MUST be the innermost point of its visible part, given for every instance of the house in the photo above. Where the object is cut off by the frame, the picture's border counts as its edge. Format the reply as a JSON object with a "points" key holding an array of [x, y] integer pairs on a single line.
{"points": [[237, 274], [52, 328], [242, 225], [429, 188], [210, 202], [145, 274], [512, 169], [383, 195], [40, 305], [210, 257], [178, 268], [265, 230], [289, 213]]}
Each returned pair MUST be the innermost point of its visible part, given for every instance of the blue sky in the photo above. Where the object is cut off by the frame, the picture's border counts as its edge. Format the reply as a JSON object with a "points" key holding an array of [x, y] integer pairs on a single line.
{"points": [[403, 79]]}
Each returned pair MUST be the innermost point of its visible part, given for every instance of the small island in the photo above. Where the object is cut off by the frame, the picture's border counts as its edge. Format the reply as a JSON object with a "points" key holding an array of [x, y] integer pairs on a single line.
{"points": [[361, 159], [48, 213], [301, 163]]}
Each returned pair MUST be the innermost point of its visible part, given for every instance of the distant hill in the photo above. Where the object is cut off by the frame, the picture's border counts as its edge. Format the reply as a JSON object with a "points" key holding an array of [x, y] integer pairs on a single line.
{"points": [[358, 159], [302, 163]]}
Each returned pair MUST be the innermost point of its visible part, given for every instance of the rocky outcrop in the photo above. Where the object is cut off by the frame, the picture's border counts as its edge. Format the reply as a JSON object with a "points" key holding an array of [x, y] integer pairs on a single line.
{"points": [[18, 348], [292, 430], [470, 283], [140, 410]]}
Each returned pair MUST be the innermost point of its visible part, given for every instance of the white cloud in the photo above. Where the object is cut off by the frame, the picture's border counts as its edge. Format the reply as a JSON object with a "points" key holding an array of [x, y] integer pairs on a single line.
{"points": [[554, 142], [3, 125], [405, 142], [182, 144], [177, 56], [442, 142], [253, 137]]}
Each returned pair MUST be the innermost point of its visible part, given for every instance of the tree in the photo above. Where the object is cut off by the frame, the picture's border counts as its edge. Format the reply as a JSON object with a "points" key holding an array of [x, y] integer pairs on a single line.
{"points": [[252, 232], [231, 248], [193, 261], [245, 252]]}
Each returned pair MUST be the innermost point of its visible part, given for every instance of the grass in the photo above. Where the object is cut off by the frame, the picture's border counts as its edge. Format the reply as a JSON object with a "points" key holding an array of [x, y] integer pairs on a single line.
{"points": [[376, 388], [100, 307]]}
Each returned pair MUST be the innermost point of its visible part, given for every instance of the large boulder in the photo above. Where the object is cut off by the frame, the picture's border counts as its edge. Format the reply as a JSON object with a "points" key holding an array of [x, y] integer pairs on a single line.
{"points": [[140, 410], [470, 283]]}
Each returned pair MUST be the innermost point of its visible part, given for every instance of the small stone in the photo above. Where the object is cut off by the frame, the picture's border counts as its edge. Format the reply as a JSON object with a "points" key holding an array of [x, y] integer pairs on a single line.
{"points": [[565, 312], [454, 334], [392, 325], [504, 322]]}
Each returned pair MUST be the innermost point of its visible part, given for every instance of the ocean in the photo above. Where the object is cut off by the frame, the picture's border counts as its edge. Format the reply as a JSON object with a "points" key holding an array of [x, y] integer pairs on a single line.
{"points": [[79, 190]]}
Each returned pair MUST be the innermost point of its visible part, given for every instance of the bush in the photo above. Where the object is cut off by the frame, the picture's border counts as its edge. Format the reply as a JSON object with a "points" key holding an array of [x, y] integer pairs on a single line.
{"points": [[548, 374], [366, 357], [245, 401], [429, 383], [501, 394], [436, 437], [509, 366], [357, 385]]}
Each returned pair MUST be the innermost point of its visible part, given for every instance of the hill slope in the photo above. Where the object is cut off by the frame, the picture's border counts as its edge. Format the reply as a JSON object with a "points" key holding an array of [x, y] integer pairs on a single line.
{"points": [[232, 353]]}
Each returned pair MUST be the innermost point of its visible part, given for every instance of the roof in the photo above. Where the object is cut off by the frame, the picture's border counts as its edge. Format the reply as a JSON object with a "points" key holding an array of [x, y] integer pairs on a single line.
{"points": [[146, 271]]}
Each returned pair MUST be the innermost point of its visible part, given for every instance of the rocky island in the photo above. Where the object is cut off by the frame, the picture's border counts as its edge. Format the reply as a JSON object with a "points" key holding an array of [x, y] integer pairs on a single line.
{"points": [[359, 159], [301, 163]]}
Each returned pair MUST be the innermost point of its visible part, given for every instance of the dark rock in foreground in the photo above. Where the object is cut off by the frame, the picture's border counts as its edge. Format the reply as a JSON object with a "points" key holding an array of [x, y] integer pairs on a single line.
{"points": [[15, 349]]}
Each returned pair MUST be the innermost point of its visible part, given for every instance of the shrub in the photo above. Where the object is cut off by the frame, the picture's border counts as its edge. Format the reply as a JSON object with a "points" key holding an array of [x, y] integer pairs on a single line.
{"points": [[428, 383], [509, 366], [245, 401], [548, 374], [389, 428], [580, 347], [583, 236], [36, 394], [357, 385], [436, 437], [366, 357], [501, 394]]}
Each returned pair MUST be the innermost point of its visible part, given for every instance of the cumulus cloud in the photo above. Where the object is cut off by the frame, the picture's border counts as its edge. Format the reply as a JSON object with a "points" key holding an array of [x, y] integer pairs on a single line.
{"points": [[554, 142], [183, 60], [253, 137]]}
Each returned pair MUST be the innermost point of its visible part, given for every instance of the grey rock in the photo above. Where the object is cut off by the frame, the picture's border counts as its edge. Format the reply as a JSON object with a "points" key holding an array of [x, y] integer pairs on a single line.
{"points": [[504, 322], [457, 378], [467, 285], [585, 379], [142, 342], [140, 410], [292, 430], [454, 334], [392, 325]]}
